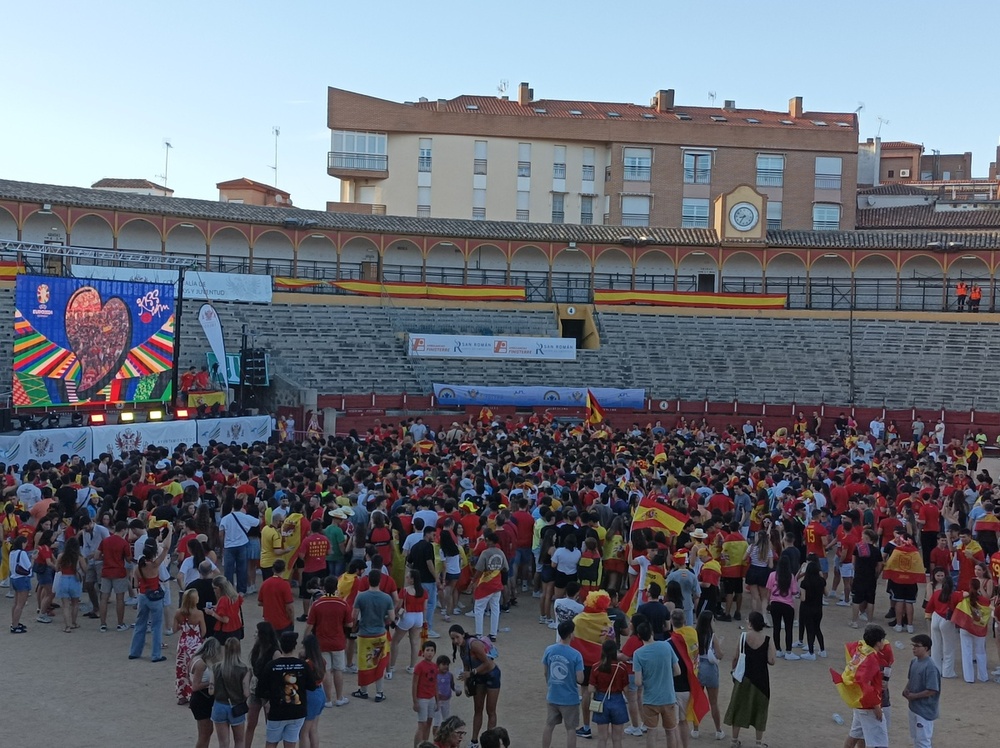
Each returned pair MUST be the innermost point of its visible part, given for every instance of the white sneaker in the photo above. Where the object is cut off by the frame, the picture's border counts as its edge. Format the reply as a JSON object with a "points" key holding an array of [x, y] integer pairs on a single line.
{"points": [[388, 674], [634, 731], [797, 645], [432, 634], [536, 594], [825, 603], [342, 702], [43, 618], [524, 586], [471, 614], [843, 604], [822, 653], [543, 619], [409, 670], [909, 629], [897, 628], [131, 601], [792, 656], [643, 729], [353, 669], [553, 625], [720, 735], [807, 656], [457, 611], [5, 583], [779, 654], [863, 616], [695, 734]]}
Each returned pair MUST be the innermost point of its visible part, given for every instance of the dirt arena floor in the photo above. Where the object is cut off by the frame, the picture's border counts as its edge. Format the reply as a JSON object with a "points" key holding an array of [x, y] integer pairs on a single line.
{"points": [[80, 690]]}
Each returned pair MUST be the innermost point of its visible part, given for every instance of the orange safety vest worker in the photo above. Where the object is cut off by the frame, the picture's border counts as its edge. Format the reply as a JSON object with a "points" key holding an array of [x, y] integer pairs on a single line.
{"points": [[961, 289], [976, 294]]}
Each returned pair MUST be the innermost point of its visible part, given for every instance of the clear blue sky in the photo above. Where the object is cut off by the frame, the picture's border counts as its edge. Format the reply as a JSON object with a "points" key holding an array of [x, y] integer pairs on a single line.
{"points": [[90, 90]]}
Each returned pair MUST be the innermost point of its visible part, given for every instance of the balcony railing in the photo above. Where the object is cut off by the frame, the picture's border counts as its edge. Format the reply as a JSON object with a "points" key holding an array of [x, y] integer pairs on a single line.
{"points": [[558, 171], [479, 166], [697, 176], [424, 163], [524, 168], [588, 173], [635, 219], [522, 215], [636, 173], [587, 218], [827, 181], [479, 214], [357, 161], [558, 216], [770, 178]]}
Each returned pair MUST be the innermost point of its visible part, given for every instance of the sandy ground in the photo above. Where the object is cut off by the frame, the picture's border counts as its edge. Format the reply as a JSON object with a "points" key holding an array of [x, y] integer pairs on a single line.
{"points": [[80, 690]]}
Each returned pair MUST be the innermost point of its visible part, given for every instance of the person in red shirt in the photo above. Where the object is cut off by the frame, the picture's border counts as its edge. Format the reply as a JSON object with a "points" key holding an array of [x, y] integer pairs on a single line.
{"points": [[940, 555], [330, 619], [839, 497], [425, 691], [968, 553], [887, 528], [314, 548], [817, 539], [848, 536], [719, 502], [113, 552], [525, 523], [276, 601], [929, 521]]}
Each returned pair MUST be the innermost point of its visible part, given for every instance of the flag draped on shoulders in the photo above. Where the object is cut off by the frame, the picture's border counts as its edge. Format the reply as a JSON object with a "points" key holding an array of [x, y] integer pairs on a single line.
{"points": [[972, 616], [860, 685], [685, 641], [635, 596], [593, 628], [658, 517], [905, 566], [373, 657], [734, 553]]}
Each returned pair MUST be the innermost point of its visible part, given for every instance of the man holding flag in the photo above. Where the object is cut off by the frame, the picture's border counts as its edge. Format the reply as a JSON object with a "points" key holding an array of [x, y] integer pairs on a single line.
{"points": [[595, 413], [861, 686], [692, 702]]}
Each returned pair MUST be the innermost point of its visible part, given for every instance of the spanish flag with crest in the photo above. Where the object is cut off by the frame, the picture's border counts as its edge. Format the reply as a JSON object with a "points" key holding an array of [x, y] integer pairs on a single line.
{"points": [[635, 596], [988, 523], [972, 616], [685, 641], [595, 413], [734, 560], [860, 685], [905, 565], [658, 517]]}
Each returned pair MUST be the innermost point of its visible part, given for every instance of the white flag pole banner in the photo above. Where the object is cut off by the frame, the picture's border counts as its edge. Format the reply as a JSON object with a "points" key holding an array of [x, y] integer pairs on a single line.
{"points": [[197, 284], [490, 346], [212, 326], [248, 429]]}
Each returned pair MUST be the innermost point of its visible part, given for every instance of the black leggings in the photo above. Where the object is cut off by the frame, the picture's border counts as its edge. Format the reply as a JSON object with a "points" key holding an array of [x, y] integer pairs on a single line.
{"points": [[782, 614], [811, 616]]}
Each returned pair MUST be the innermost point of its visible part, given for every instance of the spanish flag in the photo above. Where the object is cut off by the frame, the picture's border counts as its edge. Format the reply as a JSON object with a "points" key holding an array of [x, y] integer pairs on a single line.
{"points": [[485, 415], [905, 566], [424, 446], [734, 553], [711, 573], [989, 523], [659, 517], [972, 615], [636, 597], [595, 413], [685, 641], [860, 685], [593, 628], [373, 658]]}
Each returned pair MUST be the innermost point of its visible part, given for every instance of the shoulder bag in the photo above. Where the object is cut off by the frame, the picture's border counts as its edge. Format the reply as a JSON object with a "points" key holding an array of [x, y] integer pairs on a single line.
{"points": [[741, 662], [597, 707]]}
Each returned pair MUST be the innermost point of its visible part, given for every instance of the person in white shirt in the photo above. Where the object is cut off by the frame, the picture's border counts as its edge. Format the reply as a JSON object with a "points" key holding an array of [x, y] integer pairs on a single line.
{"points": [[28, 494], [236, 543]]}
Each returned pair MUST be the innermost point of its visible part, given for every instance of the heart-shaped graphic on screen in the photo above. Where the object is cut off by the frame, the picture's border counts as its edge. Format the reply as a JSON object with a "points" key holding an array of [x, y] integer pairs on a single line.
{"points": [[99, 334]]}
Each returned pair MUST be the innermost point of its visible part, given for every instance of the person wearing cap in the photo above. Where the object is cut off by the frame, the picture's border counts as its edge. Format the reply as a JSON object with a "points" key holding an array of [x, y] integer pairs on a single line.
{"points": [[688, 583]]}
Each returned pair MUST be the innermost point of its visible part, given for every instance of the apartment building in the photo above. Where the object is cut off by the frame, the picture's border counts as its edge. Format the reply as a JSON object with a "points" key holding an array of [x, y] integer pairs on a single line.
{"points": [[903, 162], [586, 162]]}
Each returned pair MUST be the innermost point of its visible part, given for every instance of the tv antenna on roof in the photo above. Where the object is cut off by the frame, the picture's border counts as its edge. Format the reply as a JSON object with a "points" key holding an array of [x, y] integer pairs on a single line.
{"points": [[166, 161], [861, 106], [881, 121], [276, 131], [502, 87], [711, 96]]}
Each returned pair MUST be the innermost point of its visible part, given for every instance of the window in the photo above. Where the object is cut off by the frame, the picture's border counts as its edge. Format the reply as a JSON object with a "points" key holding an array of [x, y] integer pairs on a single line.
{"points": [[588, 165], [524, 159], [694, 213], [697, 168], [946, 175], [523, 199], [752, 121], [682, 116], [891, 174], [575, 112], [423, 202], [479, 158], [586, 209], [826, 217], [638, 164], [424, 159], [828, 171], [364, 151], [773, 216], [479, 204], [635, 210], [558, 207], [559, 162], [718, 118], [927, 176], [770, 170]]}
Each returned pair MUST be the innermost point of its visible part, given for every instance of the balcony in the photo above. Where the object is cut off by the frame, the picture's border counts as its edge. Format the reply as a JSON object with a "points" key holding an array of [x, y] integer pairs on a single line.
{"points": [[635, 219], [770, 177], [636, 173], [588, 173], [349, 165], [587, 218], [424, 163], [558, 216], [827, 181]]}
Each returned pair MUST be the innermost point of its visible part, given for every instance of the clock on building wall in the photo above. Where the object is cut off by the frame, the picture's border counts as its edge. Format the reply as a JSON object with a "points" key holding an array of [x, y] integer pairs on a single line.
{"points": [[744, 216]]}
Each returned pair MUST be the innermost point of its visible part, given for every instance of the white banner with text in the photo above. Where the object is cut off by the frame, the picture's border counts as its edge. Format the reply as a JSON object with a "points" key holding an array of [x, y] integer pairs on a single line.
{"points": [[499, 347]]}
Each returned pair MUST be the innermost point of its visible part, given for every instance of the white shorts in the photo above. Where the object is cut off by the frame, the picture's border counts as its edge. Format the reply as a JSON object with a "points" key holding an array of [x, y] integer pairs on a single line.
{"points": [[408, 620], [426, 709], [443, 711], [847, 572], [336, 660], [683, 697], [874, 731]]}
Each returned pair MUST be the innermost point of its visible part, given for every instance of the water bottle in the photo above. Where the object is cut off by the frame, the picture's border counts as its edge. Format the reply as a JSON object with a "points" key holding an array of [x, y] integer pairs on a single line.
{"points": [[838, 719]]}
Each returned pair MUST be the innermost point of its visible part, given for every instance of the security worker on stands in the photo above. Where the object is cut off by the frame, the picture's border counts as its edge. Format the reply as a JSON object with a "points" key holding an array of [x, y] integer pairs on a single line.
{"points": [[975, 296], [961, 293]]}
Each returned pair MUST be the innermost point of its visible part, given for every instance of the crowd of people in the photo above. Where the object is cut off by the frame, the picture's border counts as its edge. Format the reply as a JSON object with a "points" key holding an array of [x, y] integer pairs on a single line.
{"points": [[635, 544]]}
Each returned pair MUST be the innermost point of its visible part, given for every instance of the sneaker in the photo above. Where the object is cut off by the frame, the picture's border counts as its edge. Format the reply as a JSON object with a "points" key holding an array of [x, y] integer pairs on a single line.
{"points": [[584, 732], [9, 594], [409, 670], [342, 702], [643, 729], [457, 611], [863, 617], [536, 594], [121, 627], [103, 627], [43, 619], [843, 604], [822, 653], [792, 656], [897, 628], [825, 603], [470, 614], [359, 694], [853, 624], [168, 632], [797, 645], [720, 735], [19, 629], [695, 734], [159, 659], [302, 618], [553, 625], [379, 697], [388, 674], [432, 634], [891, 615], [353, 669], [5, 583], [132, 601], [807, 656], [493, 638], [736, 616], [779, 654], [723, 617], [524, 586], [634, 731], [328, 704], [909, 629]]}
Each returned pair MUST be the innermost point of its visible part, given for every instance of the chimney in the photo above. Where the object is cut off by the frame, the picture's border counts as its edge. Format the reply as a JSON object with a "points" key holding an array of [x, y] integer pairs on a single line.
{"points": [[663, 100], [795, 107], [524, 94], [422, 99], [729, 105], [442, 103]]}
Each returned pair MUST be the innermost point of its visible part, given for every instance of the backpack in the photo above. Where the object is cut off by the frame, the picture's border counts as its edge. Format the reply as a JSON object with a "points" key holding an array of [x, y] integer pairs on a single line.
{"points": [[490, 646]]}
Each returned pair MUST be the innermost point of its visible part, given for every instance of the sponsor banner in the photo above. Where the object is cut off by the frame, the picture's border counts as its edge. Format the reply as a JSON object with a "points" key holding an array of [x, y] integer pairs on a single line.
{"points": [[490, 346], [198, 285], [408, 290], [122, 438], [212, 326], [691, 299], [47, 445], [247, 429], [85, 341], [555, 397]]}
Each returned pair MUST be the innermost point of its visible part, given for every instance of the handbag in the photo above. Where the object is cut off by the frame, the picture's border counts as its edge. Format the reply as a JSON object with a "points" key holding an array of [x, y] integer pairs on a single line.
{"points": [[240, 709], [597, 707], [155, 595], [741, 662]]}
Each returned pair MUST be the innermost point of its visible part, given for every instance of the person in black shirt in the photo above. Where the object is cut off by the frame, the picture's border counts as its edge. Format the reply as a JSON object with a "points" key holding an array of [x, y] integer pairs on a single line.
{"points": [[283, 684], [206, 592], [423, 561], [655, 612]]}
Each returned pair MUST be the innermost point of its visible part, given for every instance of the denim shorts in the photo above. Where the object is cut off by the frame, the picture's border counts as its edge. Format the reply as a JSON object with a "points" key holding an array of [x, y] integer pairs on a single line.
{"points": [[284, 729], [315, 701], [253, 549], [69, 587], [615, 710], [223, 713], [46, 575], [20, 584]]}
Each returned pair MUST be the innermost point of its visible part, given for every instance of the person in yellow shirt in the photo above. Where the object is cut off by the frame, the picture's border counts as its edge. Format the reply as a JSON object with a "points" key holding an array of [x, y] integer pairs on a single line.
{"points": [[272, 544]]}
